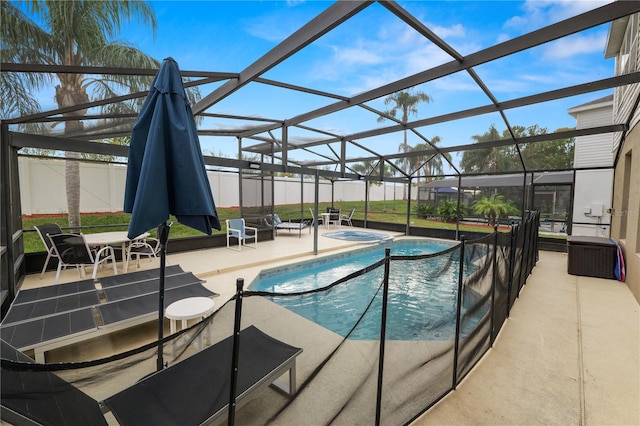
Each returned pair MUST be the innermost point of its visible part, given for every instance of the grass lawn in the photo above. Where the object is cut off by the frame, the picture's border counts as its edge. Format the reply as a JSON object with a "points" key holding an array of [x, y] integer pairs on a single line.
{"points": [[379, 211]]}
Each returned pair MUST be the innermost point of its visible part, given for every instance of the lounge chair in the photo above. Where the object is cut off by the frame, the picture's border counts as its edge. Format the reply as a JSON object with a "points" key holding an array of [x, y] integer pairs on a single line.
{"points": [[277, 223], [193, 391], [43, 230], [236, 229], [56, 316], [205, 377]]}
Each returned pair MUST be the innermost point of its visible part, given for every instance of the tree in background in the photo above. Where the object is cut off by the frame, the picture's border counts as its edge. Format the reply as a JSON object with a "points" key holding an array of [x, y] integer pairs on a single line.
{"points": [[76, 33], [544, 155], [494, 207], [371, 167], [484, 160], [434, 166], [405, 102]]}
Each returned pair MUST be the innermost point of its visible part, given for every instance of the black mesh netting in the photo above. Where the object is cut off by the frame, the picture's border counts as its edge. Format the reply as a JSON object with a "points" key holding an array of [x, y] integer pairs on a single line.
{"points": [[441, 310]]}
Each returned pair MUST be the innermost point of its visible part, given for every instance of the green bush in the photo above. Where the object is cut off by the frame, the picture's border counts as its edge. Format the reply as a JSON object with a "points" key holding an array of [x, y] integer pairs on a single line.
{"points": [[449, 212], [424, 211], [494, 207]]}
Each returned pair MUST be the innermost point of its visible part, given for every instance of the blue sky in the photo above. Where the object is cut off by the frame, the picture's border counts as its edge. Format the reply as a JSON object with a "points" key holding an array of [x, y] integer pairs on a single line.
{"points": [[374, 48]]}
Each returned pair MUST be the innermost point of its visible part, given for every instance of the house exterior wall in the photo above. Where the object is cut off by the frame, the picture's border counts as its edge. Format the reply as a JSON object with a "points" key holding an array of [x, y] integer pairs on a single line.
{"points": [[592, 198], [594, 150], [593, 188], [627, 60], [626, 203], [626, 190]]}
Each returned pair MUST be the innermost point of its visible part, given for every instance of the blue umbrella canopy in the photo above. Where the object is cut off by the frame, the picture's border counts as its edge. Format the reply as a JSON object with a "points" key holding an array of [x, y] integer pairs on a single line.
{"points": [[166, 173]]}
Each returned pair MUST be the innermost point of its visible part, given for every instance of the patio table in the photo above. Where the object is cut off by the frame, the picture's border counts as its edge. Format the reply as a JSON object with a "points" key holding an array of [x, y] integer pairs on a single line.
{"points": [[113, 237]]}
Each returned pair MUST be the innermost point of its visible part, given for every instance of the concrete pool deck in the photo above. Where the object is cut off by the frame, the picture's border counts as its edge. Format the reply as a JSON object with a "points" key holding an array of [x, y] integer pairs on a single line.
{"points": [[568, 354]]}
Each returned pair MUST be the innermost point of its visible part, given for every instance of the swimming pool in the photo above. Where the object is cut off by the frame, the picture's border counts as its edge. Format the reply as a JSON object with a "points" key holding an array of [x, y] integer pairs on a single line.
{"points": [[422, 293]]}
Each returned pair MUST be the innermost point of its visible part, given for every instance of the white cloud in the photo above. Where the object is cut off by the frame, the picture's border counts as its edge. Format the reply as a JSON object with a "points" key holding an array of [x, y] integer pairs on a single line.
{"points": [[540, 13], [356, 56], [576, 45]]}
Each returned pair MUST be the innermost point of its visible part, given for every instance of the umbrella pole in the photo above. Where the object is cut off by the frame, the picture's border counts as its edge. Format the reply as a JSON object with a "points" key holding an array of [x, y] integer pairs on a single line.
{"points": [[163, 235]]}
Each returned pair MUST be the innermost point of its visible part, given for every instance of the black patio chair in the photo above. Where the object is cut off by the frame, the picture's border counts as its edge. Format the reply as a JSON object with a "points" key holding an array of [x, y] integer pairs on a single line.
{"points": [[43, 230], [72, 250]]}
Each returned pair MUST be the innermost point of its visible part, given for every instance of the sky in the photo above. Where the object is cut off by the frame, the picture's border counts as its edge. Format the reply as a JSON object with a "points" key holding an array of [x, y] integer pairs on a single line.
{"points": [[374, 48]]}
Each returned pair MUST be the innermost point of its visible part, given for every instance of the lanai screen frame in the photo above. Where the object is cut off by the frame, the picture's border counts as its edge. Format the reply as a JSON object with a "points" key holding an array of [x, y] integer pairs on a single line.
{"points": [[279, 150]]}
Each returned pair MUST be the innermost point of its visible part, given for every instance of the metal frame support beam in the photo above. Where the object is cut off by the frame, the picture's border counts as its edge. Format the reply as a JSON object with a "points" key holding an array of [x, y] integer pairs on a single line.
{"points": [[335, 15]]}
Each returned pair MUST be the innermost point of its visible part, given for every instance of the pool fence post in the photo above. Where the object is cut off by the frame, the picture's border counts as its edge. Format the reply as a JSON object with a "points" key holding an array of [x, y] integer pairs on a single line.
{"points": [[235, 353], [383, 332], [458, 313], [458, 206], [512, 264], [493, 281]]}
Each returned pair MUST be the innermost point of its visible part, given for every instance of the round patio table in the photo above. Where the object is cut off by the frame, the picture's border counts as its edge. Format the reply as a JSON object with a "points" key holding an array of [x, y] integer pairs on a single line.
{"points": [[186, 309]]}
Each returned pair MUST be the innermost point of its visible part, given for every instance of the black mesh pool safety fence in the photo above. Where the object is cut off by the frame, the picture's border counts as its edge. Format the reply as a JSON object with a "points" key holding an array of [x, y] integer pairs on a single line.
{"points": [[378, 346]]}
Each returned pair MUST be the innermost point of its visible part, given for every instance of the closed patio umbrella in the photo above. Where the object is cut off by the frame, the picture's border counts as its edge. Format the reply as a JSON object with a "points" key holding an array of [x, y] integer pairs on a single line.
{"points": [[166, 173]]}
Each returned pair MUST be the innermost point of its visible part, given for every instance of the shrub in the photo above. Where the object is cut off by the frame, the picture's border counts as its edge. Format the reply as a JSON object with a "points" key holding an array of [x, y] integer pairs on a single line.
{"points": [[424, 211], [449, 212]]}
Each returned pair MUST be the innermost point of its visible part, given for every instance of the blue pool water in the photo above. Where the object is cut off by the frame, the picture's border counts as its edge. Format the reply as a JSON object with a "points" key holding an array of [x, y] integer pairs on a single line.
{"points": [[359, 236], [422, 294]]}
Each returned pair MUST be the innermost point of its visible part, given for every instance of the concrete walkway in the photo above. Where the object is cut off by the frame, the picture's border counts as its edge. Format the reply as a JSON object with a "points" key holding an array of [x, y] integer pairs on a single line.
{"points": [[567, 355]]}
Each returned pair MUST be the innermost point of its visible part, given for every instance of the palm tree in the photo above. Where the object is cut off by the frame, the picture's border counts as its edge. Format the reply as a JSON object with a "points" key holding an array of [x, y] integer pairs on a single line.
{"points": [[76, 33], [434, 166], [486, 160], [494, 207], [369, 167], [404, 101]]}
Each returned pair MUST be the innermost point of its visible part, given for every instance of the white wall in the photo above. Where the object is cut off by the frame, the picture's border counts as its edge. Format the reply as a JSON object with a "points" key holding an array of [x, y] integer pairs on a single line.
{"points": [[593, 190], [594, 150], [42, 188]]}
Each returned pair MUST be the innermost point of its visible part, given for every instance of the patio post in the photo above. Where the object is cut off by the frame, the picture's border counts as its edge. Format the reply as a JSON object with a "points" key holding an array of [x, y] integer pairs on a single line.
{"points": [[163, 236], [315, 212]]}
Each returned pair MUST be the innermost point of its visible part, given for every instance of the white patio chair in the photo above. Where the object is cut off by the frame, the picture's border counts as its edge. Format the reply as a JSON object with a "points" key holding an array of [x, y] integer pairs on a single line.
{"points": [[347, 218], [72, 250], [149, 247], [236, 229]]}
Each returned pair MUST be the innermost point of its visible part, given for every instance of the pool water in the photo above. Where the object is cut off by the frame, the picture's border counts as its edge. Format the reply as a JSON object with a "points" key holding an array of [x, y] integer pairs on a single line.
{"points": [[422, 293], [359, 236]]}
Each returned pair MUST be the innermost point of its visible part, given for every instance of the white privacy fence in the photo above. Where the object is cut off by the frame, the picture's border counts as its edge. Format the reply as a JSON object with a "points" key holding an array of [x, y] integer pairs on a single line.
{"points": [[42, 188]]}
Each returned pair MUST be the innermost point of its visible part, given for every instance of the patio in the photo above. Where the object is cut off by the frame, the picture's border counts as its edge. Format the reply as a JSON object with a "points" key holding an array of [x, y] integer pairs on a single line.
{"points": [[575, 361]]}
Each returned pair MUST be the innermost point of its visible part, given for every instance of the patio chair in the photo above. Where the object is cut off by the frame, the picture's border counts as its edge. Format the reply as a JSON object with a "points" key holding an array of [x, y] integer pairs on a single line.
{"points": [[313, 218], [43, 230], [149, 247], [236, 229], [347, 218], [334, 216], [72, 250]]}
